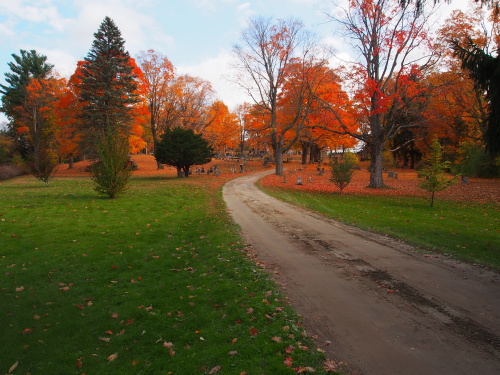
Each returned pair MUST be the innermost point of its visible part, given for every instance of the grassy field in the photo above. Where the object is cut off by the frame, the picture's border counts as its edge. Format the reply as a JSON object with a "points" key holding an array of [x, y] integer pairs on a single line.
{"points": [[154, 282], [469, 231]]}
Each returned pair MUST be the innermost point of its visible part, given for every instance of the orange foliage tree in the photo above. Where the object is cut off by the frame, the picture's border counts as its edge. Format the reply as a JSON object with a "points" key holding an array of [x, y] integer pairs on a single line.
{"points": [[158, 74], [390, 38], [257, 132], [140, 110], [37, 118], [72, 138], [187, 103], [323, 127], [68, 109], [271, 52], [223, 131], [464, 104]]}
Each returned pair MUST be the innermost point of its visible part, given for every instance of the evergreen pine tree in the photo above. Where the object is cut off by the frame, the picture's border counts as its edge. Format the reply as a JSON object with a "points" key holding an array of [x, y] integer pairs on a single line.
{"points": [[108, 85], [26, 66], [107, 92]]}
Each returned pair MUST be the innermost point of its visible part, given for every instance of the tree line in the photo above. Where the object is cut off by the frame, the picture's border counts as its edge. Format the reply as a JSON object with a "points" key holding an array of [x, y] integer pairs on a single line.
{"points": [[404, 89]]}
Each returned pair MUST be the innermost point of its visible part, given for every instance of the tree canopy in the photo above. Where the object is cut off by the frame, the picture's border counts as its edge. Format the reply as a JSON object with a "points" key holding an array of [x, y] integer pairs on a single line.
{"points": [[182, 148], [108, 83], [26, 66], [107, 89]]}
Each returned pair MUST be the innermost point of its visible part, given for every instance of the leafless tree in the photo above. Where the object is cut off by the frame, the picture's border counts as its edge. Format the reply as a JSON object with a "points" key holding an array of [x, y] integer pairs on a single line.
{"points": [[266, 52]]}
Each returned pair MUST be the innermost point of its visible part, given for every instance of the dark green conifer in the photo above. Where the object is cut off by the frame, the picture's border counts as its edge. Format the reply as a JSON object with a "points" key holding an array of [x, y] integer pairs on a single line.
{"points": [[108, 83], [107, 91]]}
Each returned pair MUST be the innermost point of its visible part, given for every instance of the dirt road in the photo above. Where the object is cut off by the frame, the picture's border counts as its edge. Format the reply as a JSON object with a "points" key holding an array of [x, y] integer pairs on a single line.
{"points": [[385, 308]]}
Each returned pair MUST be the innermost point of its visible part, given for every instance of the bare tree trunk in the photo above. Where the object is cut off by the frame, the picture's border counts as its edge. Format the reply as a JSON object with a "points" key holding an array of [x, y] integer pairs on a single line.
{"points": [[278, 156], [305, 151], [376, 176]]}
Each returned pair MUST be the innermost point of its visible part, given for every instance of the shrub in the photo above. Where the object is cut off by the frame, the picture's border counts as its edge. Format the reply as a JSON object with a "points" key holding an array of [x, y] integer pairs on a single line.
{"points": [[474, 162], [435, 178], [113, 169], [342, 172], [351, 158]]}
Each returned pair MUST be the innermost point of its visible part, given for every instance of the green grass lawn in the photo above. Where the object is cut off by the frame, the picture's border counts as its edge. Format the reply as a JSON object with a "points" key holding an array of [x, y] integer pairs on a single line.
{"points": [[467, 231], [154, 282]]}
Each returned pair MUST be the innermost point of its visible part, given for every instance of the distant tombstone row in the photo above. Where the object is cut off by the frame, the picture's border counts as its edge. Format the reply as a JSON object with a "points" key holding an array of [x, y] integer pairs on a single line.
{"points": [[215, 170]]}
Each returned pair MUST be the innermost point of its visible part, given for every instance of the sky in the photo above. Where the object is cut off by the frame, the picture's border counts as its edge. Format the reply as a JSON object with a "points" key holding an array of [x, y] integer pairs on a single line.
{"points": [[197, 36]]}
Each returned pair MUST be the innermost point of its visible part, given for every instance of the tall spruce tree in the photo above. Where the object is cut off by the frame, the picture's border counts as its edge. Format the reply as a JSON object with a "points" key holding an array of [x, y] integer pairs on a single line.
{"points": [[25, 67], [107, 92], [108, 83]]}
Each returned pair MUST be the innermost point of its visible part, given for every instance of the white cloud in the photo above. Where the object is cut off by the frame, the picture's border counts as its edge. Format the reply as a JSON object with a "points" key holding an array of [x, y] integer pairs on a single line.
{"points": [[7, 29], [64, 62], [214, 70], [39, 12], [244, 11]]}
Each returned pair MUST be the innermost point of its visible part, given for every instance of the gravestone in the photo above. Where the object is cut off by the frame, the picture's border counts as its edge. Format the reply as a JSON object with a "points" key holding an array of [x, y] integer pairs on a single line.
{"points": [[284, 179], [390, 174], [299, 180]]}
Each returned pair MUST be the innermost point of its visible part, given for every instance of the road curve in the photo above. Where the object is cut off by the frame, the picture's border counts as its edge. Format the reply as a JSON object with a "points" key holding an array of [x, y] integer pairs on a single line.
{"points": [[385, 308]]}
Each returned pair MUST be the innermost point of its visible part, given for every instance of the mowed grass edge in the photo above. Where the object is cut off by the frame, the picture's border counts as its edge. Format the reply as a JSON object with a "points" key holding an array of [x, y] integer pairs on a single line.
{"points": [[467, 231], [154, 282]]}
